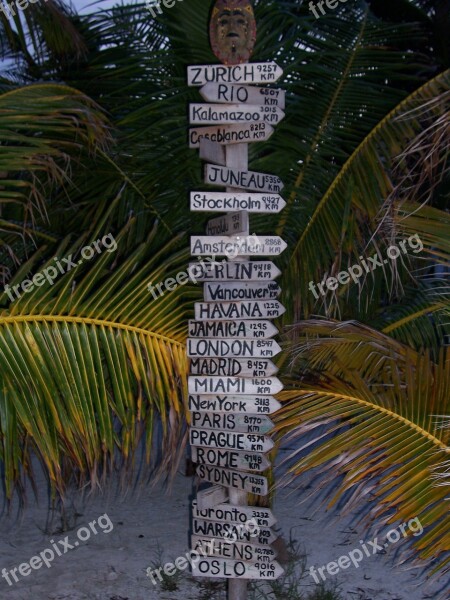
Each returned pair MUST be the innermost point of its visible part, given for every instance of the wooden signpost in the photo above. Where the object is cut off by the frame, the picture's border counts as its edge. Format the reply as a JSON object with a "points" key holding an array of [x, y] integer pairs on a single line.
{"points": [[232, 377]]}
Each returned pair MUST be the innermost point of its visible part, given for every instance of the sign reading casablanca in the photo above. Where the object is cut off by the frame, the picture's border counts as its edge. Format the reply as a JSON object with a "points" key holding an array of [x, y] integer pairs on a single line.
{"points": [[232, 375]]}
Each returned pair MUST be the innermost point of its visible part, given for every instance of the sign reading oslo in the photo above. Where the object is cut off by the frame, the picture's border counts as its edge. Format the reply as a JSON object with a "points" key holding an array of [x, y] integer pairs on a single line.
{"points": [[229, 93], [268, 72], [226, 568], [250, 202]]}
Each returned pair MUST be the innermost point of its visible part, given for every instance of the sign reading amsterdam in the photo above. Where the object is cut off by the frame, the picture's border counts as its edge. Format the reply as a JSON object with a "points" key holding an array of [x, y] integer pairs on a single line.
{"points": [[212, 114], [263, 517], [202, 245], [235, 550], [264, 405], [211, 348], [235, 271], [253, 484], [240, 423], [219, 311], [229, 93], [268, 72], [247, 180], [229, 367], [231, 134], [234, 329], [230, 459], [234, 569], [231, 440], [250, 202], [240, 291]]}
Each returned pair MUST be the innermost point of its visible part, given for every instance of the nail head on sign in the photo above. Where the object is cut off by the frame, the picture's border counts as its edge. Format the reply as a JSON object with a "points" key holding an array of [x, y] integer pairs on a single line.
{"points": [[232, 31]]}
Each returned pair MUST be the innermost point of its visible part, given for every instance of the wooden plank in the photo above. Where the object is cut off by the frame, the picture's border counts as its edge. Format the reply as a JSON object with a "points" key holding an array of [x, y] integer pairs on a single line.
{"points": [[230, 459], [230, 440], [247, 482], [233, 329], [230, 367], [246, 551], [247, 180], [229, 135], [229, 93], [233, 246], [236, 348], [250, 202], [234, 271], [263, 517], [231, 291], [242, 423], [224, 311], [264, 405], [235, 569], [266, 72], [212, 152], [211, 496], [234, 531], [231, 114], [230, 224]]}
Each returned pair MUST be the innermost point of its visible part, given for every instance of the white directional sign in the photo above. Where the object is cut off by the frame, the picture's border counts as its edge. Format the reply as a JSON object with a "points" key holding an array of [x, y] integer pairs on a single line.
{"points": [[230, 459], [233, 329], [224, 114], [223, 201], [207, 546], [230, 224], [202, 245], [266, 72], [212, 152], [236, 569], [229, 93], [234, 531], [211, 496], [262, 405], [228, 439], [230, 291], [239, 348], [263, 517], [247, 180], [224, 311], [231, 422], [229, 367], [228, 135], [235, 271], [253, 484]]}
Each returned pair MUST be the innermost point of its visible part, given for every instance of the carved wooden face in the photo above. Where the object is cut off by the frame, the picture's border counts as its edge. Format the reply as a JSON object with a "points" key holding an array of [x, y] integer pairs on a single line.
{"points": [[233, 31]]}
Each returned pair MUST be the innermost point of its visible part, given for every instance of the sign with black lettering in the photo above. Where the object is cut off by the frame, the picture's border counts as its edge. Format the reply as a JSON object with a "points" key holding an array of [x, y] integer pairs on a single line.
{"points": [[233, 385], [231, 224], [242, 423], [229, 367], [266, 72], [231, 440], [263, 517], [232, 246], [240, 348], [230, 291], [223, 311], [246, 180], [261, 405], [228, 135], [224, 114], [232, 329], [234, 271], [229, 93], [230, 459], [234, 531], [253, 484], [236, 569], [223, 202], [207, 546]]}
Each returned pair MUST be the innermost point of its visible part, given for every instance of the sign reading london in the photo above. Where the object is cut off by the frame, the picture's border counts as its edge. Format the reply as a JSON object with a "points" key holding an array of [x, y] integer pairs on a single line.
{"points": [[268, 72]]}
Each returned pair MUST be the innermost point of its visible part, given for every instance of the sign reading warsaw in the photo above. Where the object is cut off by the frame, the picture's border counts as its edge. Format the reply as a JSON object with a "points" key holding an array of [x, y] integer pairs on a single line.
{"points": [[230, 531], [247, 180], [264, 405], [253, 484], [233, 329], [231, 134], [230, 459], [229, 93], [219, 311], [202, 245], [235, 271], [222, 201], [212, 114], [236, 569], [268, 72]]}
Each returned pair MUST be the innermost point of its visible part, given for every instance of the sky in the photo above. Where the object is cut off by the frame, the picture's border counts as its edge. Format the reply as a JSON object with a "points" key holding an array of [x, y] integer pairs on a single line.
{"points": [[87, 6]]}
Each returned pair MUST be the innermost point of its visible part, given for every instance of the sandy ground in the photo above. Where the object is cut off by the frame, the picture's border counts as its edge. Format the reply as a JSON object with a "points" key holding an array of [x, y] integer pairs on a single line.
{"points": [[152, 528]]}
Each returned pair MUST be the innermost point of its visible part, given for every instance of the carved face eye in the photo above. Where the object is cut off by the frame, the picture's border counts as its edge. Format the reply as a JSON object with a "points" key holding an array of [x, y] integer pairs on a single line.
{"points": [[223, 22]]}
